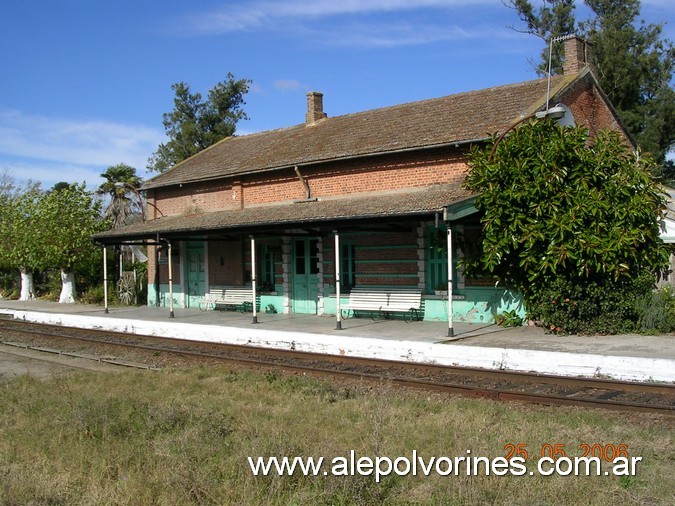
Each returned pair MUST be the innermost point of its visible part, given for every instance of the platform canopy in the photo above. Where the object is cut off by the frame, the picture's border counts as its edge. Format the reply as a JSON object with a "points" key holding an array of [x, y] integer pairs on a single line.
{"points": [[360, 210]]}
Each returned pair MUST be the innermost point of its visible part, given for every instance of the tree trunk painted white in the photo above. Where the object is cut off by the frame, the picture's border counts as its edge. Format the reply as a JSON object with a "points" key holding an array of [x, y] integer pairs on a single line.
{"points": [[27, 289], [67, 287]]}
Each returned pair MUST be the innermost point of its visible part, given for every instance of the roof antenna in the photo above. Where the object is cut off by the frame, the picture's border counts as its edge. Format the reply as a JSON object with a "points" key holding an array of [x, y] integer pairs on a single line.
{"points": [[552, 112]]}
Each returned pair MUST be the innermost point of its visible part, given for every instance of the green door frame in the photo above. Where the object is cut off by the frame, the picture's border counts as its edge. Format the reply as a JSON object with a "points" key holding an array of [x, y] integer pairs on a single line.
{"points": [[305, 288], [195, 273]]}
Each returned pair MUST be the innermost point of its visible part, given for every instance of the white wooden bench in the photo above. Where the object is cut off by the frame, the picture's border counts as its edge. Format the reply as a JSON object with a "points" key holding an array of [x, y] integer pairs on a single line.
{"points": [[381, 302], [230, 298]]}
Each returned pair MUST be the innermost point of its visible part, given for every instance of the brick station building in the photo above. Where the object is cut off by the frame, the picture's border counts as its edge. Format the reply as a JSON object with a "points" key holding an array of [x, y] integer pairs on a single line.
{"points": [[387, 181]]}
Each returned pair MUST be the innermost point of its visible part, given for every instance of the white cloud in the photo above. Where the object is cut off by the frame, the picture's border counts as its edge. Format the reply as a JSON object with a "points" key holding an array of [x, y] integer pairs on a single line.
{"points": [[37, 147], [288, 85], [277, 15], [666, 5], [255, 88], [403, 34], [48, 174]]}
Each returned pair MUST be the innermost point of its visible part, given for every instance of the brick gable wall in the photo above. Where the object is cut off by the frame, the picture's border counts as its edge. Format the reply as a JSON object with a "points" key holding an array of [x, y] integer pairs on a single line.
{"points": [[590, 109]]}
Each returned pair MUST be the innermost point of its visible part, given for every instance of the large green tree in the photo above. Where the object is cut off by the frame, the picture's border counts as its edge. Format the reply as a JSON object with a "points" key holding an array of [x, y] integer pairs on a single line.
{"points": [[19, 240], [66, 220], [195, 123], [633, 61], [560, 207], [554, 18]]}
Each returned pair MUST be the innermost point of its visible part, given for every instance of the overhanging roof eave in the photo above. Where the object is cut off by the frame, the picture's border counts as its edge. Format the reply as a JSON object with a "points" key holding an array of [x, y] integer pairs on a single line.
{"points": [[245, 229]]}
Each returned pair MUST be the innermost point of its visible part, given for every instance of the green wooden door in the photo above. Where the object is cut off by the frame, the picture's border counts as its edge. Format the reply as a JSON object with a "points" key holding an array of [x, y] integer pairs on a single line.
{"points": [[305, 276], [195, 275]]}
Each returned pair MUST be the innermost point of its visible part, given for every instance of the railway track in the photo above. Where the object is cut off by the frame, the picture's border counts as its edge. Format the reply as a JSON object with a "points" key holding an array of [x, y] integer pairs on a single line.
{"points": [[497, 385]]}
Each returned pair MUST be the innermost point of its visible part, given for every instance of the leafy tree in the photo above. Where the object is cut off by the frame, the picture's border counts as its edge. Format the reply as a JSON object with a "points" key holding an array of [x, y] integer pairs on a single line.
{"points": [[195, 124], [120, 186], [120, 180], [559, 205], [67, 218], [633, 61], [19, 243], [555, 18]]}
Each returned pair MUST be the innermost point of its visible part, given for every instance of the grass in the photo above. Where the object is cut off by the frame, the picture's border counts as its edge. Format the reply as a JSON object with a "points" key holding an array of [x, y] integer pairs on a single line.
{"points": [[183, 436]]}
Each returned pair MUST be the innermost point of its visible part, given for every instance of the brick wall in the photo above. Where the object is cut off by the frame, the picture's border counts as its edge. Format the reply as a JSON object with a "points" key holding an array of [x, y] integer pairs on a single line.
{"points": [[164, 267], [226, 263], [402, 171], [381, 258], [409, 170], [589, 108], [195, 198]]}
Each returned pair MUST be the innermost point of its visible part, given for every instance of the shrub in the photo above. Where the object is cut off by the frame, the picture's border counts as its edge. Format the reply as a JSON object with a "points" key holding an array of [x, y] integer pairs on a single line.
{"points": [[93, 295], [658, 312], [9, 283], [509, 319], [599, 306]]}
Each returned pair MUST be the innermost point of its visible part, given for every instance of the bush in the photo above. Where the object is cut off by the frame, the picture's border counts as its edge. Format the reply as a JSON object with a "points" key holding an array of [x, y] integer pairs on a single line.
{"points": [[9, 283], [599, 306], [658, 312], [93, 295], [509, 319]]}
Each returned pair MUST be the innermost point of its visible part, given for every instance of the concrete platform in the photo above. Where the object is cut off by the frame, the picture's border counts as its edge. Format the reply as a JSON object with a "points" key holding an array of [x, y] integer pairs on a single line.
{"points": [[629, 357]]}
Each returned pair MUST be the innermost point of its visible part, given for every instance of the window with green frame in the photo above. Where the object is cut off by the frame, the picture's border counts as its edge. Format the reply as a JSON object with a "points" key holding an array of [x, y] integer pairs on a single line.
{"points": [[347, 267], [437, 258], [267, 266]]}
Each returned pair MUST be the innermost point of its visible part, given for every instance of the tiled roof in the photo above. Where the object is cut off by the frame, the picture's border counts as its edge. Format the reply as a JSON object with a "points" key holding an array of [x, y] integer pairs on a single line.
{"points": [[391, 205], [453, 119]]}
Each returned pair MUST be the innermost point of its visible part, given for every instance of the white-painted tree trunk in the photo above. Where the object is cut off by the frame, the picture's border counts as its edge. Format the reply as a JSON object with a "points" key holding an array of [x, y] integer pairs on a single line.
{"points": [[27, 289], [68, 295]]}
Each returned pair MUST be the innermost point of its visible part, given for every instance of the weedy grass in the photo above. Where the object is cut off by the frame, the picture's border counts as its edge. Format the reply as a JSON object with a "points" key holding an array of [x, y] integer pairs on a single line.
{"points": [[183, 437]]}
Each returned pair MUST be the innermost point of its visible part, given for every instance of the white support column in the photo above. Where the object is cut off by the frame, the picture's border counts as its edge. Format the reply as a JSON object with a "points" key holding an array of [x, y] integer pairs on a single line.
{"points": [[171, 315], [253, 287], [451, 331], [105, 279], [320, 304], [338, 317], [286, 256]]}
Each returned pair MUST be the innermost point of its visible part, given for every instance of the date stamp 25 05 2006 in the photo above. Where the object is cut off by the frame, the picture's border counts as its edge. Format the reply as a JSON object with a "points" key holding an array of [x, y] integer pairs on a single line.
{"points": [[607, 452]]}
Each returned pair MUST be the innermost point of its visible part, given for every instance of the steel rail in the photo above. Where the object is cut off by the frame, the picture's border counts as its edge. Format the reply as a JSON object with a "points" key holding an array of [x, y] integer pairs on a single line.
{"points": [[610, 388]]}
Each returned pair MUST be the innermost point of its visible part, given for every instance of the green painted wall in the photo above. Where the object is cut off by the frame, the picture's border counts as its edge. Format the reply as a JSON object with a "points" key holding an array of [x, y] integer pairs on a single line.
{"points": [[479, 305], [164, 295], [263, 300]]}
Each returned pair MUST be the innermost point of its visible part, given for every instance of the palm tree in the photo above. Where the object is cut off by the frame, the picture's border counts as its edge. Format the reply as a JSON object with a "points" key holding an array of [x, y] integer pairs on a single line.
{"points": [[120, 185]]}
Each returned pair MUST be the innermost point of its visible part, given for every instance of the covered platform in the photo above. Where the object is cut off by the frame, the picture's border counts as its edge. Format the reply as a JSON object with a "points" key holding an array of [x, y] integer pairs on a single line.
{"points": [[628, 357]]}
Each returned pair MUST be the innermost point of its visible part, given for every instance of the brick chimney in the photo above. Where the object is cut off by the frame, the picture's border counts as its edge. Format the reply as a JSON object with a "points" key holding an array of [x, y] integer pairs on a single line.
{"points": [[577, 55], [314, 108]]}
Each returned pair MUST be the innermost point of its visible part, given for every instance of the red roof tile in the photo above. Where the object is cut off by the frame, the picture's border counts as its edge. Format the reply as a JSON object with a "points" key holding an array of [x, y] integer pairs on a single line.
{"points": [[453, 119]]}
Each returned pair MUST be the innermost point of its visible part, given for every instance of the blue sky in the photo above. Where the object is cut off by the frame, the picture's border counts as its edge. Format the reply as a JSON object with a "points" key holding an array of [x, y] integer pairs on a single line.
{"points": [[84, 83]]}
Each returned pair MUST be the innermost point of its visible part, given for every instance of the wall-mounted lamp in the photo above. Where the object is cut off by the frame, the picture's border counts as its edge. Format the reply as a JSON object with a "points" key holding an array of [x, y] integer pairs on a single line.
{"points": [[557, 112]]}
